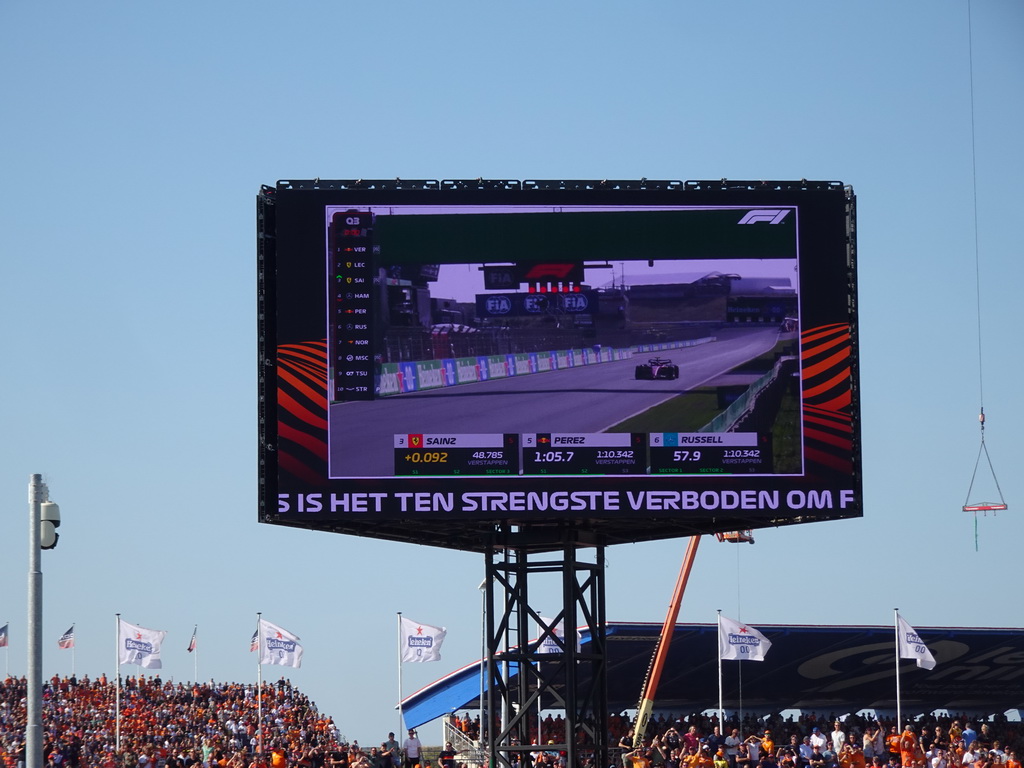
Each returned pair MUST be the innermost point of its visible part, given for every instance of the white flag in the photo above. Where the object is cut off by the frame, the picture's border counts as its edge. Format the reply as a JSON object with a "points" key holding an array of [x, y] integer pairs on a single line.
{"points": [[740, 642], [912, 646], [550, 644], [421, 642], [279, 646], [138, 645]]}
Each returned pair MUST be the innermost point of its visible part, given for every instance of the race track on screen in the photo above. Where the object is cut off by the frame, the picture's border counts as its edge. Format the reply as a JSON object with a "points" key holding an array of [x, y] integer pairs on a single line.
{"points": [[587, 399]]}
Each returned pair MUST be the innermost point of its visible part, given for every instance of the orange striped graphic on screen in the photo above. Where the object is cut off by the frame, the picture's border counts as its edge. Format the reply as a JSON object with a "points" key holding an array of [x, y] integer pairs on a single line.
{"points": [[302, 409], [828, 426]]}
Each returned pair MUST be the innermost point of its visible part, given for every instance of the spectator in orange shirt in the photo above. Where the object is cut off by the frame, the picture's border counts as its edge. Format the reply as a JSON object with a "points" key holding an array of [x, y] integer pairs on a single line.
{"points": [[955, 731], [892, 743], [688, 757], [855, 754], [704, 757], [909, 747]]}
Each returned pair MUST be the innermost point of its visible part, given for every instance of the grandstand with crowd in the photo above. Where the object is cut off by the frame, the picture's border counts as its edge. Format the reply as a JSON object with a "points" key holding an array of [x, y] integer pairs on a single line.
{"points": [[216, 725]]}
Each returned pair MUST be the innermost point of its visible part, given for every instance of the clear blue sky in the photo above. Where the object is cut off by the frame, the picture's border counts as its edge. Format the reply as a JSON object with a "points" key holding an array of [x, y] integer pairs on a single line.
{"points": [[135, 137]]}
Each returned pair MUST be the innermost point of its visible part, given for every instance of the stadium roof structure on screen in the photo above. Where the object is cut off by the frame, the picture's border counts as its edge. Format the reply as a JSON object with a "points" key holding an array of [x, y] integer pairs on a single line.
{"points": [[817, 669], [587, 361]]}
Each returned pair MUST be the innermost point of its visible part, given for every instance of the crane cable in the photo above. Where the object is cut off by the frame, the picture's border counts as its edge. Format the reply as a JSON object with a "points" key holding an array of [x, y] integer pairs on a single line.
{"points": [[985, 507]]}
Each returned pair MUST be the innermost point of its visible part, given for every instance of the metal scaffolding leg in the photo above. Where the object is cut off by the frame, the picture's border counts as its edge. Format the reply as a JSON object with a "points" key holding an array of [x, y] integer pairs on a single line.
{"points": [[525, 681]]}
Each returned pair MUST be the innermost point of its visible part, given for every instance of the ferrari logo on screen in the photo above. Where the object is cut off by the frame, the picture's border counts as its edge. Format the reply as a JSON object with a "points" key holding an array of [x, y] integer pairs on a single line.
{"points": [[415, 441]]}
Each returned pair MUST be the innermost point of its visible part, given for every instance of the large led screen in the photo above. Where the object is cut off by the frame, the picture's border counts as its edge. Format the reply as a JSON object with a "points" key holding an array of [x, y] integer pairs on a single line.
{"points": [[531, 353]]}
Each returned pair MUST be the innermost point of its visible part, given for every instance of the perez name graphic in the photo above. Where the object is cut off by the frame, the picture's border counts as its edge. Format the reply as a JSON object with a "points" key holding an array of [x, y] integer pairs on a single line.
{"points": [[138, 645], [273, 644]]}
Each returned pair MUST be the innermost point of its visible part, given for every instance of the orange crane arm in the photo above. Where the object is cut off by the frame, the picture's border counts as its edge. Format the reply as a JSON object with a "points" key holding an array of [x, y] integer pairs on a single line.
{"points": [[646, 705]]}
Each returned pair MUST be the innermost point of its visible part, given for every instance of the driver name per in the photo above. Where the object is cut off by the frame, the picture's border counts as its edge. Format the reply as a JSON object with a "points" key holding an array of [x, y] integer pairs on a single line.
{"points": [[604, 453]]}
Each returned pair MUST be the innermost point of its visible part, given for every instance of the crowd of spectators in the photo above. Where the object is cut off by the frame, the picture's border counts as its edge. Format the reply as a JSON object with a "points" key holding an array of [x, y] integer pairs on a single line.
{"points": [[217, 725], [814, 741], [167, 725], [810, 741], [466, 724], [552, 727]]}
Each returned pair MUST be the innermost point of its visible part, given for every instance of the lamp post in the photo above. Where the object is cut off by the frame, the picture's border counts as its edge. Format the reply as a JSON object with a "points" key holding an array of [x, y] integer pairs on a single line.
{"points": [[43, 518]]}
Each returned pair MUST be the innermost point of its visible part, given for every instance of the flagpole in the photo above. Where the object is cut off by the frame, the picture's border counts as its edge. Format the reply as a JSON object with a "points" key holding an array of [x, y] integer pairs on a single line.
{"points": [[117, 683], [195, 661], [73, 652], [899, 712], [400, 716], [483, 659], [739, 687], [721, 720], [259, 681]]}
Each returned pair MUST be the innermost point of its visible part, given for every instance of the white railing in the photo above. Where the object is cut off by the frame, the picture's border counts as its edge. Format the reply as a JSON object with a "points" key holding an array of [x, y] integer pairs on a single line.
{"points": [[469, 752]]}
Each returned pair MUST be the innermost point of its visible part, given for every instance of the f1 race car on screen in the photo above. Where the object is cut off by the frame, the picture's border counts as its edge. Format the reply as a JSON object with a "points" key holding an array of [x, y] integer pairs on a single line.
{"points": [[657, 368]]}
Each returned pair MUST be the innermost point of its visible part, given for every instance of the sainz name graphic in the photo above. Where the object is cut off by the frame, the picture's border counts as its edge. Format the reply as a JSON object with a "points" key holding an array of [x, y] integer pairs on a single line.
{"points": [[419, 454]]}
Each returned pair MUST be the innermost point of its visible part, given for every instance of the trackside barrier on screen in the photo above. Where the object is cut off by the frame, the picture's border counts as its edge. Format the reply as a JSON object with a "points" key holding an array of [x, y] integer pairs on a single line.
{"points": [[398, 378], [724, 421], [674, 344]]}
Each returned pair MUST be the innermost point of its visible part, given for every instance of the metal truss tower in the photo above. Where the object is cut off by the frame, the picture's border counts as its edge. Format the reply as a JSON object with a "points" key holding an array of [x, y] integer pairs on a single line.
{"points": [[551, 671]]}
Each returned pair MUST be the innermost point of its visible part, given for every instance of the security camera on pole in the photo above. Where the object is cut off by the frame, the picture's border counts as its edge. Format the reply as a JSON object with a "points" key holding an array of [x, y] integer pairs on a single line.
{"points": [[43, 519]]}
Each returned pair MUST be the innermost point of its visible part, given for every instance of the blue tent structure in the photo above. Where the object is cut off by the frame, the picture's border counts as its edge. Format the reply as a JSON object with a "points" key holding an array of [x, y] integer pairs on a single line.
{"points": [[813, 668]]}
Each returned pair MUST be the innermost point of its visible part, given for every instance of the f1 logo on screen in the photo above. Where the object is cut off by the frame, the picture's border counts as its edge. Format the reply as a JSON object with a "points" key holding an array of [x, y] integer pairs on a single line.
{"points": [[551, 272], [508, 277], [772, 216]]}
